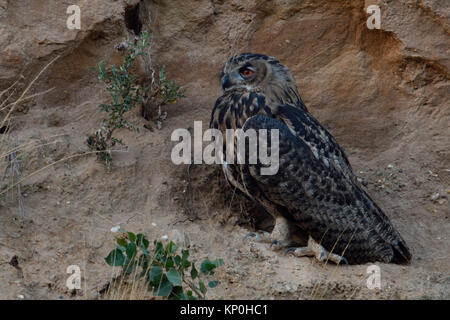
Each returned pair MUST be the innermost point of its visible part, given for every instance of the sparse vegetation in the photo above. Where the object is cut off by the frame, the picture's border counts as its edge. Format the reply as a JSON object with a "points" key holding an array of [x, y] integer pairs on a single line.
{"points": [[166, 269], [162, 92], [126, 92], [11, 151]]}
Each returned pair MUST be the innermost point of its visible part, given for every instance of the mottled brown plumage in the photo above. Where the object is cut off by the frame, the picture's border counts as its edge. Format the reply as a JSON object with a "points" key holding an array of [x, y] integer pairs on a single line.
{"points": [[315, 191]]}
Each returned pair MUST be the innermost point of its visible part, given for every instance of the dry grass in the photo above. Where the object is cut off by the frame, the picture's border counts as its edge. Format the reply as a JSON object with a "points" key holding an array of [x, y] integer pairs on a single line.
{"points": [[10, 150]]}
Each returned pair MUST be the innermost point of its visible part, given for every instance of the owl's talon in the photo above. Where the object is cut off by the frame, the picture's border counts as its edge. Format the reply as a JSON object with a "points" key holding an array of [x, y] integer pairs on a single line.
{"points": [[336, 259], [261, 236], [250, 234], [322, 256]]}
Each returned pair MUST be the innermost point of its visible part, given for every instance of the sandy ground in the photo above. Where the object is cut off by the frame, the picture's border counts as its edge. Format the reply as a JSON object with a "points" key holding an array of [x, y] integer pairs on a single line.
{"points": [[383, 94], [71, 207]]}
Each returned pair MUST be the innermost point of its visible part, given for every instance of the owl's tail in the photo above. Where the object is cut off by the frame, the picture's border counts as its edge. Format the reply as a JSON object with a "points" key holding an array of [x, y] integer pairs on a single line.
{"points": [[402, 255]]}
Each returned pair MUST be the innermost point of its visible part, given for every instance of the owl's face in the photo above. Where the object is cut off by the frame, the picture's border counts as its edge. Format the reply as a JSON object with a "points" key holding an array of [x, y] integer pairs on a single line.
{"points": [[249, 71]]}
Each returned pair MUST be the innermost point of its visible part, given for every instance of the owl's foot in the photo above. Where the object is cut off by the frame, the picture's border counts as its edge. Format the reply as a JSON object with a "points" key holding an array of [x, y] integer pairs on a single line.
{"points": [[278, 239], [316, 250]]}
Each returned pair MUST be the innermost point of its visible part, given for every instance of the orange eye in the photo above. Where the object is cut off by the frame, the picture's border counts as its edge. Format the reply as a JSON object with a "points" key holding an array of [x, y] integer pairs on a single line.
{"points": [[247, 72]]}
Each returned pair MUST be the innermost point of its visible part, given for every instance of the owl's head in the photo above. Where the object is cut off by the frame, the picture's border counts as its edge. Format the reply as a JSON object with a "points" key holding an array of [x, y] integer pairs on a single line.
{"points": [[258, 72], [250, 71]]}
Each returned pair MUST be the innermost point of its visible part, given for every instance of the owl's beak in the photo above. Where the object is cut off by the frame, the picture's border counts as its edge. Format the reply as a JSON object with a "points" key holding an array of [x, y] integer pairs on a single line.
{"points": [[226, 83]]}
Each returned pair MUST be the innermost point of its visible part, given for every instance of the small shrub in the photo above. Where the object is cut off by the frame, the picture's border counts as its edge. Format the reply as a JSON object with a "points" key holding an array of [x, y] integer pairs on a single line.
{"points": [[166, 269], [126, 92], [162, 92]]}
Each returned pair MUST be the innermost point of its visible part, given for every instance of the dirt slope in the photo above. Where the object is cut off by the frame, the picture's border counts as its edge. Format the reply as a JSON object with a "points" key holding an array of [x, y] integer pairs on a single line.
{"points": [[383, 94]]}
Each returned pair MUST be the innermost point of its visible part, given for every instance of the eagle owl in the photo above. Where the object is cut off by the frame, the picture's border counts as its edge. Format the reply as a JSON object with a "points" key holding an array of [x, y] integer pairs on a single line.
{"points": [[314, 197]]}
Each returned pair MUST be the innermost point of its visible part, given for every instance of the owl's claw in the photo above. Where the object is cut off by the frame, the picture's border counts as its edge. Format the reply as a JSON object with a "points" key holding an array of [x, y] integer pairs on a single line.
{"points": [[322, 255], [290, 249], [276, 245], [261, 236], [266, 237], [250, 234]]}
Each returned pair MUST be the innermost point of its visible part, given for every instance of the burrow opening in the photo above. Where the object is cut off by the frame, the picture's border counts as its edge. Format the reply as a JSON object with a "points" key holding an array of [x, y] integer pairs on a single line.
{"points": [[132, 20]]}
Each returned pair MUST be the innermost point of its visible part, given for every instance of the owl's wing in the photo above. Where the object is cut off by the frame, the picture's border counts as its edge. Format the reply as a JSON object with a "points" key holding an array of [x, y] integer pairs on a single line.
{"points": [[320, 141], [315, 188]]}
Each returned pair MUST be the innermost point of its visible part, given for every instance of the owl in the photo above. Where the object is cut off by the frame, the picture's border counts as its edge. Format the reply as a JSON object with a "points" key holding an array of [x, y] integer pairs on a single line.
{"points": [[319, 207]]}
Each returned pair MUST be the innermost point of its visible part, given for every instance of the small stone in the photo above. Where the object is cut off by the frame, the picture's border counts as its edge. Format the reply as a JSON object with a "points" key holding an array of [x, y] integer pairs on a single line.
{"points": [[115, 229], [434, 196], [432, 173]]}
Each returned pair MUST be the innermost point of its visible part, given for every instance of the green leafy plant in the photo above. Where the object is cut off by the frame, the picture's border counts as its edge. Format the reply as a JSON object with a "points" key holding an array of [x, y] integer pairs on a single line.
{"points": [[166, 269], [127, 91], [160, 93]]}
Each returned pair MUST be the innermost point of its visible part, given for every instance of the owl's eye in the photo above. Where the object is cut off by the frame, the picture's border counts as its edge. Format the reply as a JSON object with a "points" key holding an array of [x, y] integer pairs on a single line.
{"points": [[246, 71]]}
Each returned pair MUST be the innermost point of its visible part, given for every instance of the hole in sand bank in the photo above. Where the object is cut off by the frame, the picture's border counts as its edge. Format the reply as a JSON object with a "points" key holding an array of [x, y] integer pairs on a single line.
{"points": [[132, 20]]}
